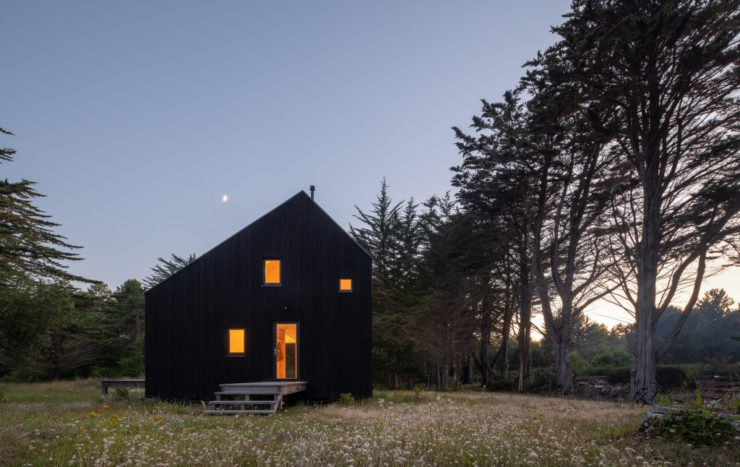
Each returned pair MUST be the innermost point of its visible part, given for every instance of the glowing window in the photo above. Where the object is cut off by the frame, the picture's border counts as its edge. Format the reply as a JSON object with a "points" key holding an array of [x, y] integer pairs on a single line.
{"points": [[236, 341], [272, 272], [286, 350], [345, 285]]}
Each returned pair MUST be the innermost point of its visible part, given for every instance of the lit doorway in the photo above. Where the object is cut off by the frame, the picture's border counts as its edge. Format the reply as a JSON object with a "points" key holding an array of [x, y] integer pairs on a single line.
{"points": [[286, 350]]}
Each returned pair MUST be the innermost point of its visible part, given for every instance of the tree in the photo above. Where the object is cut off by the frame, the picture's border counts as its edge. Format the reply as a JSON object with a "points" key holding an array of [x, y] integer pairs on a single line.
{"points": [[571, 166], [125, 316], [379, 232], [32, 315], [28, 244], [709, 330], [166, 268], [495, 184], [391, 237], [669, 71], [454, 283]]}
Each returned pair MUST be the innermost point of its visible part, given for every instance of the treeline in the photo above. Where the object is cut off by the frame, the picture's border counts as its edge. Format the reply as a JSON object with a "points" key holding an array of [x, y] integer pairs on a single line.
{"points": [[442, 318], [52, 330], [49, 327], [610, 172]]}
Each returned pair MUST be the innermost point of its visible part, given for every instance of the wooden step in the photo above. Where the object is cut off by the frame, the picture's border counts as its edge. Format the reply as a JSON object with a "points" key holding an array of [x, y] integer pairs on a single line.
{"points": [[237, 412], [242, 402], [221, 393], [265, 387], [270, 395], [247, 390]]}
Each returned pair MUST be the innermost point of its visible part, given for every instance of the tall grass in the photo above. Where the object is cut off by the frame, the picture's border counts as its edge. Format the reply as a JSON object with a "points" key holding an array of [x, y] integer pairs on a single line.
{"points": [[69, 423]]}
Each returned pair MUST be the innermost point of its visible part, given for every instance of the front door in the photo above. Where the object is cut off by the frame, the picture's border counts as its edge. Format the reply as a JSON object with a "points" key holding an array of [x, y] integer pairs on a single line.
{"points": [[286, 350]]}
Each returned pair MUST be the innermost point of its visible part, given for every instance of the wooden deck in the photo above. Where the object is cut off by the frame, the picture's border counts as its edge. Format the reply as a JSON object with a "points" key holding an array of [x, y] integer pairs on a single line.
{"points": [[260, 397]]}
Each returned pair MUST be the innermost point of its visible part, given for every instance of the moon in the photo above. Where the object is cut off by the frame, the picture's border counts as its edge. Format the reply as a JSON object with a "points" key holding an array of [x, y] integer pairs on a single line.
{"points": [[225, 198]]}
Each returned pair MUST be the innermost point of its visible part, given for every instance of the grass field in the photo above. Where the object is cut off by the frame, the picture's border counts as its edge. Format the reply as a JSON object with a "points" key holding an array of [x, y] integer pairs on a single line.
{"points": [[68, 423]]}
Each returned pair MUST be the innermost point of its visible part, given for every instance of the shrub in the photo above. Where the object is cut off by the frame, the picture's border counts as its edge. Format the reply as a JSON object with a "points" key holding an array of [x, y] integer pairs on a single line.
{"points": [[500, 384], [672, 377], [121, 394], [668, 376], [697, 426], [417, 393], [735, 405], [579, 364], [543, 379], [613, 374], [347, 398], [617, 357]]}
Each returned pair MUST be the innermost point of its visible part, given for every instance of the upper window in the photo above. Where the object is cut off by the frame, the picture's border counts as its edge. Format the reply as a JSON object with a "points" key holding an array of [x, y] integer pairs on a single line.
{"points": [[345, 285], [271, 272], [236, 341]]}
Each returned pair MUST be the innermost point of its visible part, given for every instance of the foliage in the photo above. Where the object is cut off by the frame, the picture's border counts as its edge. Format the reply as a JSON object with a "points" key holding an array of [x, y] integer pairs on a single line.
{"points": [[381, 232], [668, 376], [694, 424], [346, 398], [53, 330], [669, 71], [29, 247], [709, 330], [167, 267], [427, 275], [697, 427], [616, 159]]}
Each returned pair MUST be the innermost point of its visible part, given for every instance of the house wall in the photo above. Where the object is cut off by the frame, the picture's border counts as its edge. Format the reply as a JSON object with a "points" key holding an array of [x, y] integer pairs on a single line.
{"points": [[188, 316]]}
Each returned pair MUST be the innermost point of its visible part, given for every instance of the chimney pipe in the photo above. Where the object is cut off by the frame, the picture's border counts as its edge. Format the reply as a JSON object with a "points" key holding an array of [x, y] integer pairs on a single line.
{"points": [[312, 188]]}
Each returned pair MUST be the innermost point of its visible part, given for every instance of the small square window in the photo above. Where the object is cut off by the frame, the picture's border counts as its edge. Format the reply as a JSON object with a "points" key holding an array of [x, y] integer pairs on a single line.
{"points": [[271, 272], [236, 341], [345, 285]]}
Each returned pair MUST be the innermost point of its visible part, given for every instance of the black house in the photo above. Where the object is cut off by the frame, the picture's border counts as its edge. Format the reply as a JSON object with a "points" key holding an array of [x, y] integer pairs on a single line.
{"points": [[287, 298]]}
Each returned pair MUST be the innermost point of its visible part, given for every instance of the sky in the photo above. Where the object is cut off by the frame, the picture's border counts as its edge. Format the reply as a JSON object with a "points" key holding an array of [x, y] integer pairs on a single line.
{"points": [[136, 118]]}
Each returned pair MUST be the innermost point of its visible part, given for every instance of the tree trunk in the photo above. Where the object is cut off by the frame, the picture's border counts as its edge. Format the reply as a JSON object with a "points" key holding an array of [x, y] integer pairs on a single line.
{"points": [[444, 377], [643, 384], [505, 342], [467, 376], [563, 370], [485, 342], [525, 310], [456, 375]]}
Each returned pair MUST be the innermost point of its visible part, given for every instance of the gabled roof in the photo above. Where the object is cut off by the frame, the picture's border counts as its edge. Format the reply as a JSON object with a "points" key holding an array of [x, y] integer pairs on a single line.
{"points": [[255, 222]]}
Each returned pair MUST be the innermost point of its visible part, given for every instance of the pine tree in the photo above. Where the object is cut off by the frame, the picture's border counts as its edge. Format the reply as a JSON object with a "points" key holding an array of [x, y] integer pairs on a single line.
{"points": [[28, 244], [669, 71], [390, 236], [495, 184], [166, 268]]}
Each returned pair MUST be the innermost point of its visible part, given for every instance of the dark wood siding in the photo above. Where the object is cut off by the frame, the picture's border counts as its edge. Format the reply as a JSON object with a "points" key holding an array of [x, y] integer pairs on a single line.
{"points": [[188, 315]]}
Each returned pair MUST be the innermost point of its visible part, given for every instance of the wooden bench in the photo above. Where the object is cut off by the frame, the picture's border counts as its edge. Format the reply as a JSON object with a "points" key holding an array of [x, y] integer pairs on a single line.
{"points": [[120, 383]]}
